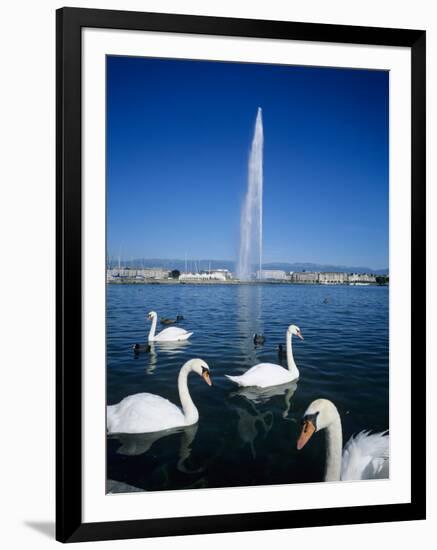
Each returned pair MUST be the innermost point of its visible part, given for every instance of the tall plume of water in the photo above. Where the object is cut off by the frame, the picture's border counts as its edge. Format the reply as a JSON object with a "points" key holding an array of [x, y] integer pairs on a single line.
{"points": [[251, 224]]}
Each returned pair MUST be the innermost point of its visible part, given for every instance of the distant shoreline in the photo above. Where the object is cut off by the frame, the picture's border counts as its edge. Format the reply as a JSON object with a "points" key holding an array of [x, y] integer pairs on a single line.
{"points": [[128, 281]]}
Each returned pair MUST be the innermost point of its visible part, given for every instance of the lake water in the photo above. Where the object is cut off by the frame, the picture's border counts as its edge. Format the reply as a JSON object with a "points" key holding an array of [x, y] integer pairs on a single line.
{"points": [[245, 438]]}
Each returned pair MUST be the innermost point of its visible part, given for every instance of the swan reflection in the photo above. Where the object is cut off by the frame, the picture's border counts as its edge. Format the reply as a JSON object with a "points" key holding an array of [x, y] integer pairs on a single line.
{"points": [[252, 423], [171, 348], [153, 359], [263, 395], [113, 486], [138, 444], [153, 350]]}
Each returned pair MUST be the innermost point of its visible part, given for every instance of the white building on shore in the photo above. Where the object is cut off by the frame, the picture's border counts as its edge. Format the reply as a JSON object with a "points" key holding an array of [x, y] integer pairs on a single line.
{"points": [[304, 277], [217, 275], [133, 273], [363, 278], [272, 275], [332, 278]]}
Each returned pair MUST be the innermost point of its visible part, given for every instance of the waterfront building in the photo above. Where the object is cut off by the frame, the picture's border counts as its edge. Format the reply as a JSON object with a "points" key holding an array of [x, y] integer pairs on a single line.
{"points": [[271, 274], [217, 275], [333, 278], [354, 278], [225, 272], [304, 277], [133, 273]]}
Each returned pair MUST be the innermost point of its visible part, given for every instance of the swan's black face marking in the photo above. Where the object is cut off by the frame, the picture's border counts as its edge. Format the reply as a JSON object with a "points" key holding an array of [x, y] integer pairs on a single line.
{"points": [[312, 418], [206, 376]]}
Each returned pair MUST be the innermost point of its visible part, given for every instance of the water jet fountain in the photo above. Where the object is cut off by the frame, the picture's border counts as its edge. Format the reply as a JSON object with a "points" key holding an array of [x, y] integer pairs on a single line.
{"points": [[252, 211]]}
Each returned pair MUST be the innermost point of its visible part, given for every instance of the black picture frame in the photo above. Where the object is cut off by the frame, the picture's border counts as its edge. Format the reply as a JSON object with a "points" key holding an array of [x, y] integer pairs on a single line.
{"points": [[69, 525]]}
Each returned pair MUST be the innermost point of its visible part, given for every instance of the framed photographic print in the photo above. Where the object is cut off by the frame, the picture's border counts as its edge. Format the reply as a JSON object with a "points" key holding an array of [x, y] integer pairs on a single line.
{"points": [[241, 263]]}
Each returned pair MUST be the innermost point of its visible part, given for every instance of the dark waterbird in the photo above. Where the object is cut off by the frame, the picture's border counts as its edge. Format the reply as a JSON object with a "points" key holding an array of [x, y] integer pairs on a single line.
{"points": [[258, 339], [138, 348], [167, 321]]}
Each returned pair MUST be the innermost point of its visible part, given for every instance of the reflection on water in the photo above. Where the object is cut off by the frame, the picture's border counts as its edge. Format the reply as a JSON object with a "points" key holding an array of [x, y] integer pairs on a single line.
{"points": [[244, 436], [248, 318], [251, 423], [138, 444], [168, 348], [263, 395]]}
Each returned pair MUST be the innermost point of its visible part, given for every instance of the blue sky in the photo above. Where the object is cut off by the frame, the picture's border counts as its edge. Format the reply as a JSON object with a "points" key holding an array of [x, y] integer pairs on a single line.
{"points": [[178, 140]]}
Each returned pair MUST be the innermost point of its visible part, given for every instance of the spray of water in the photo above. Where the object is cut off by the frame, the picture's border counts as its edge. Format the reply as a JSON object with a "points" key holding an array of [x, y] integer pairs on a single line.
{"points": [[252, 212]]}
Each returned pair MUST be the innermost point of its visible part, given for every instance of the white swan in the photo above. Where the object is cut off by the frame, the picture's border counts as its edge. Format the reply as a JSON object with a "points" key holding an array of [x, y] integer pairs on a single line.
{"points": [[146, 412], [265, 375], [365, 456], [171, 334]]}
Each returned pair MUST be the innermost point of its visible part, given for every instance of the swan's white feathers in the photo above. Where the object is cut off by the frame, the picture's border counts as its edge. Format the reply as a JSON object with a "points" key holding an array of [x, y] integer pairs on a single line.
{"points": [[171, 334], [366, 456], [143, 412], [263, 375]]}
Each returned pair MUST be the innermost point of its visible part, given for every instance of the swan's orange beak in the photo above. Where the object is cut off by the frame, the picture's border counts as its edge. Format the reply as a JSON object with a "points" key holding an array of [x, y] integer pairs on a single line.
{"points": [[207, 378], [299, 334], [308, 429]]}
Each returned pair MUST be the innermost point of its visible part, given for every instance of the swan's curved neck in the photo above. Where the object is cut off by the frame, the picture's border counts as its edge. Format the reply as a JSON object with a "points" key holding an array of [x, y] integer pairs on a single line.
{"points": [[334, 446], [153, 328], [290, 359], [190, 411]]}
